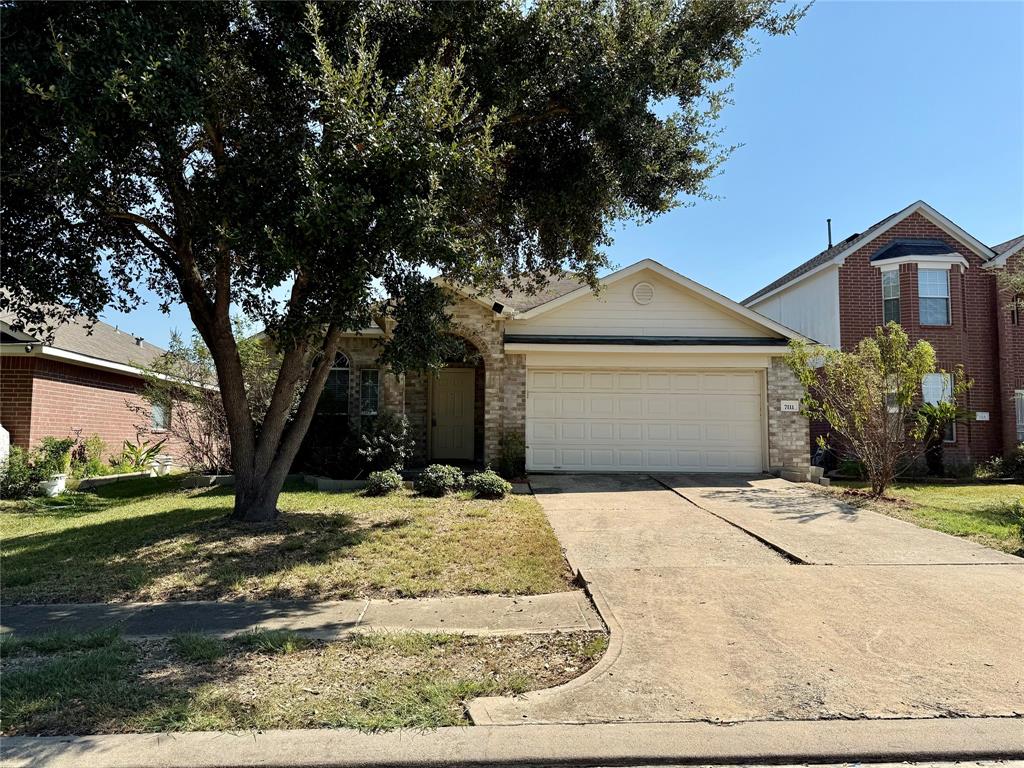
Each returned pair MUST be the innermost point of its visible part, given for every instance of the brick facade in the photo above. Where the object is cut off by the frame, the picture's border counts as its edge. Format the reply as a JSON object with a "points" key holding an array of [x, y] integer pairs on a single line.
{"points": [[500, 394], [971, 339], [41, 398], [788, 432]]}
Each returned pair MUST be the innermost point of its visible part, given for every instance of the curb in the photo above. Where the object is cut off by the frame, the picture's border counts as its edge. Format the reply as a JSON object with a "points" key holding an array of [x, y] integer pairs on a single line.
{"points": [[611, 744], [480, 710]]}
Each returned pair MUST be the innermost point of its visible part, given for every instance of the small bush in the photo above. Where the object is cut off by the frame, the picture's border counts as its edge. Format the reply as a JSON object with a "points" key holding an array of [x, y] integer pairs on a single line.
{"points": [[489, 485], [385, 443], [512, 456], [1010, 465], [384, 482], [55, 455], [18, 476], [440, 479], [87, 457]]}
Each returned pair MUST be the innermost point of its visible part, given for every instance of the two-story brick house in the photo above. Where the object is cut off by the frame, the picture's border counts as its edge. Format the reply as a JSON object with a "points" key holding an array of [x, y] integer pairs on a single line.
{"points": [[922, 270]]}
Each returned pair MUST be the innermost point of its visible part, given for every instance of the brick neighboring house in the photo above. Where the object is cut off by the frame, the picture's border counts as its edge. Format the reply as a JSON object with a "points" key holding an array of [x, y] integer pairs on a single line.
{"points": [[922, 270], [657, 373], [81, 382]]}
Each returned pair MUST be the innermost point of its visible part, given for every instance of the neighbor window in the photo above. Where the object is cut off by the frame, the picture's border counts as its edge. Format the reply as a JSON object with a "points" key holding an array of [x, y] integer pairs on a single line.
{"points": [[933, 293], [334, 399], [937, 388], [891, 296], [160, 415], [369, 391], [1018, 399]]}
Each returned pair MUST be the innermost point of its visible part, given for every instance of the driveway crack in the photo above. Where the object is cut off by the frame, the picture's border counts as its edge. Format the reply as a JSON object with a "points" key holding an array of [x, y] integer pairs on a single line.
{"points": [[794, 559]]}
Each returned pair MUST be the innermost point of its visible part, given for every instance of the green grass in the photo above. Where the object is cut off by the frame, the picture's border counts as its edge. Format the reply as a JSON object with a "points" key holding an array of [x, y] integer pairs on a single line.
{"points": [[56, 642], [371, 682], [982, 512], [195, 646], [273, 641], [149, 540]]}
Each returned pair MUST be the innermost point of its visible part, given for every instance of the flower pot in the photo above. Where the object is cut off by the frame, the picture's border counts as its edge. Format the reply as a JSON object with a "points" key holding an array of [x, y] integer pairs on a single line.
{"points": [[54, 486]]}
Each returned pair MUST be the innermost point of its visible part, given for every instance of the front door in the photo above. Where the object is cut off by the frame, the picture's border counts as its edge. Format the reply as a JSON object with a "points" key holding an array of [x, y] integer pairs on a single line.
{"points": [[452, 418]]}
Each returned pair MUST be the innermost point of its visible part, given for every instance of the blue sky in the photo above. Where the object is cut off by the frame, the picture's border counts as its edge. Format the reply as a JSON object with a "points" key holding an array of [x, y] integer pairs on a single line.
{"points": [[867, 108]]}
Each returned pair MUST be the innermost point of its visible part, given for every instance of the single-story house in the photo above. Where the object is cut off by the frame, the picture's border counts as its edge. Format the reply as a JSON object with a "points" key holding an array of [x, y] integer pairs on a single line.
{"points": [[657, 373], [84, 382]]}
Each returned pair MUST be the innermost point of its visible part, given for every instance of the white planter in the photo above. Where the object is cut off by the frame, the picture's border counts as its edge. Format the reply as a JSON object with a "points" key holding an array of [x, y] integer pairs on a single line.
{"points": [[162, 465], [54, 486]]}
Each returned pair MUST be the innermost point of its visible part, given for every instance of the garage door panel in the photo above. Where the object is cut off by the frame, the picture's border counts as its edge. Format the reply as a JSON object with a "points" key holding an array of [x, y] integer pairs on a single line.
{"points": [[644, 420]]}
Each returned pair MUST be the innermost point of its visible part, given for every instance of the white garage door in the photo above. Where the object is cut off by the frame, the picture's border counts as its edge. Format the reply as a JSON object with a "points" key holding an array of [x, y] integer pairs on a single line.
{"points": [[694, 421]]}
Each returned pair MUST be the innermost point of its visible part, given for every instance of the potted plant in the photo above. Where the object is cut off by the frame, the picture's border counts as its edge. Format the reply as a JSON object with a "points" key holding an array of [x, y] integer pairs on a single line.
{"points": [[55, 464]]}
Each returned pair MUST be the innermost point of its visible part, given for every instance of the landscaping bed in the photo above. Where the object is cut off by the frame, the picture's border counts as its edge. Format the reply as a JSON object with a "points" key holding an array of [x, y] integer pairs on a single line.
{"points": [[102, 683], [982, 512], [150, 540]]}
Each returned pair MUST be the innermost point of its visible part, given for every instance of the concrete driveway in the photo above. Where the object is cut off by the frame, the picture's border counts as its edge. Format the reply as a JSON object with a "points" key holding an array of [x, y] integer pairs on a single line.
{"points": [[754, 599]]}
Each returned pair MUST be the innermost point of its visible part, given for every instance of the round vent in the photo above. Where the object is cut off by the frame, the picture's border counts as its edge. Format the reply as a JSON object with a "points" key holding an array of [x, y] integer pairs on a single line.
{"points": [[643, 293]]}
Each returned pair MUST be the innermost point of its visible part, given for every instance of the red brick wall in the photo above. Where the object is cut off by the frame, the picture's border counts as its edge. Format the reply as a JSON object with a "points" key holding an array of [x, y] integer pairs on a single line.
{"points": [[39, 398], [970, 339], [1011, 358], [16, 398]]}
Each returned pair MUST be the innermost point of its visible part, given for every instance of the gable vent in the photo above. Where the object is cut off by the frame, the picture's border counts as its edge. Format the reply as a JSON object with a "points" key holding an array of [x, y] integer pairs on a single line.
{"points": [[643, 293]]}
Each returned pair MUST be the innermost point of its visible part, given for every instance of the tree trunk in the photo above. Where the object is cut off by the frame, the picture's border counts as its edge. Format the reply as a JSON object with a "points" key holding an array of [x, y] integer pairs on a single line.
{"points": [[256, 498], [933, 456]]}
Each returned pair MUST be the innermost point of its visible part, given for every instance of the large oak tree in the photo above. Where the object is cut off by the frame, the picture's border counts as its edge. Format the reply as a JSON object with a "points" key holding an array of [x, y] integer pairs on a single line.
{"points": [[215, 152]]}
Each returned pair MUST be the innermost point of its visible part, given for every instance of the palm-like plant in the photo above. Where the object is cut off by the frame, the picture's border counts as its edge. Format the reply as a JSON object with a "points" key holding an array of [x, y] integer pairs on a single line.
{"points": [[932, 421]]}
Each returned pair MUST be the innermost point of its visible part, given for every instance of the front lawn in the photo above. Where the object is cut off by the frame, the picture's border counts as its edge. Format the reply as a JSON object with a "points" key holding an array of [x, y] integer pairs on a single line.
{"points": [[102, 683], [150, 540], [982, 512]]}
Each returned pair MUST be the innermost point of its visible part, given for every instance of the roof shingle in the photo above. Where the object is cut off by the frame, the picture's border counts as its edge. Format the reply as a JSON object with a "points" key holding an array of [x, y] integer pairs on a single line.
{"points": [[103, 342]]}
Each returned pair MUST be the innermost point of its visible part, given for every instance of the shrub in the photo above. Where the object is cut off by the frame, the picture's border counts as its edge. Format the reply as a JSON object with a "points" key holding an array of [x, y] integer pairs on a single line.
{"points": [[512, 456], [439, 479], [55, 455], [18, 476], [1010, 465], [137, 457], [385, 443], [489, 485], [87, 457], [383, 482]]}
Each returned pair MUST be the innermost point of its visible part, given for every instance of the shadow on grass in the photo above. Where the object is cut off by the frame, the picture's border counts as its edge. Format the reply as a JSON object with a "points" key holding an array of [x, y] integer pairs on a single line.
{"points": [[116, 559]]}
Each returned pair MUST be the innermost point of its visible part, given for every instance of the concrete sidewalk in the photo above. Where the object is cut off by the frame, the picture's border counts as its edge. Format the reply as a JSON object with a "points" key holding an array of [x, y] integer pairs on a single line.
{"points": [[828, 741], [472, 615]]}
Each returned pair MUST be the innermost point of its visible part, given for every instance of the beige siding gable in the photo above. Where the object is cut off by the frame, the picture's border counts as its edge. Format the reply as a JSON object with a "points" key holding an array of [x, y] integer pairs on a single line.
{"points": [[673, 311]]}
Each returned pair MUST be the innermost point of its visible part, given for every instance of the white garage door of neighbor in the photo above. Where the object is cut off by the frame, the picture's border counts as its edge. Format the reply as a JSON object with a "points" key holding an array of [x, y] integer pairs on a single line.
{"points": [[693, 421]]}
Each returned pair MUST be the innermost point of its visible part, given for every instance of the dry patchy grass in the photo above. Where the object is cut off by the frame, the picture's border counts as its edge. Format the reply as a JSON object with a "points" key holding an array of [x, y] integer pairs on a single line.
{"points": [[150, 540], [369, 682]]}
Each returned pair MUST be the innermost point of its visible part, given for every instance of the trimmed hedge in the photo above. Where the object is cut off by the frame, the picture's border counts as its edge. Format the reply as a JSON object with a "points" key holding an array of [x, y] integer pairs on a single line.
{"points": [[439, 480], [489, 485], [383, 482]]}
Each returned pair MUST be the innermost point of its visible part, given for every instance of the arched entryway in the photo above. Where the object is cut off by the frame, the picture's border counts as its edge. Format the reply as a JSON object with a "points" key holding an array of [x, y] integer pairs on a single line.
{"points": [[456, 408], [446, 408]]}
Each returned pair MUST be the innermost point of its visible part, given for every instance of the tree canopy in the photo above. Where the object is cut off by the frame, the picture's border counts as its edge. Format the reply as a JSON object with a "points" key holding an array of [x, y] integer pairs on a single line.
{"points": [[298, 162]]}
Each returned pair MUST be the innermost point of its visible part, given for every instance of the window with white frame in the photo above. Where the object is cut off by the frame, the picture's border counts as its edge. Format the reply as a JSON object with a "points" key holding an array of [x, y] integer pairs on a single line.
{"points": [[890, 296], [334, 399], [160, 416], [1018, 399], [369, 391], [933, 294], [938, 388]]}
